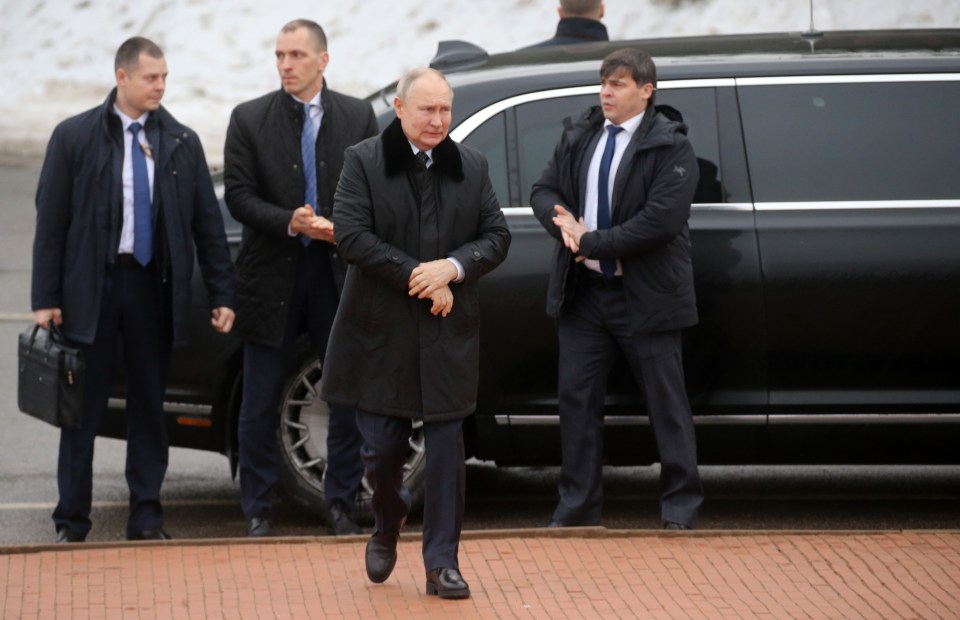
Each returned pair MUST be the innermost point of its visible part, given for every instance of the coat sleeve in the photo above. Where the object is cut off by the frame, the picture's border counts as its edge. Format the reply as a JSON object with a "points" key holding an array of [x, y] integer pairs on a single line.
{"points": [[357, 241], [54, 195], [242, 183], [546, 191], [489, 249], [662, 216], [213, 253]]}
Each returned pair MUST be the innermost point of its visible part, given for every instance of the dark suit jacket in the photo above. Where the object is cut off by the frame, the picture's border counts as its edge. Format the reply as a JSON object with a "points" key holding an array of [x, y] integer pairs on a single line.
{"points": [[264, 182], [387, 353], [652, 192], [79, 216]]}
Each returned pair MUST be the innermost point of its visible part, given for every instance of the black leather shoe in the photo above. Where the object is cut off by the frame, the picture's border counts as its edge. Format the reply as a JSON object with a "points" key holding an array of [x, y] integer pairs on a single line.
{"points": [[66, 535], [447, 583], [151, 534], [260, 527], [381, 557], [556, 523], [673, 525], [340, 522]]}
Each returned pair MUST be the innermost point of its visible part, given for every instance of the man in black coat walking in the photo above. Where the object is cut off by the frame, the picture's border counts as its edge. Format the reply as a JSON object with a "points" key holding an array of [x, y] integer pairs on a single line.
{"points": [[616, 195], [124, 199], [419, 223], [282, 160]]}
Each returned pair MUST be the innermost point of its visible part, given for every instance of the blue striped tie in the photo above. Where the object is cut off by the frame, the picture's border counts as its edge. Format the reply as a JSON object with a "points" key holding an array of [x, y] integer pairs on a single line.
{"points": [[308, 151], [142, 230], [607, 265]]}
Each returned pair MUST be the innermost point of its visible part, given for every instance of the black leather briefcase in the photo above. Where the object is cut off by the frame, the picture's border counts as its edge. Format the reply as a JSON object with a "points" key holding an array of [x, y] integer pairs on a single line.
{"points": [[50, 384]]}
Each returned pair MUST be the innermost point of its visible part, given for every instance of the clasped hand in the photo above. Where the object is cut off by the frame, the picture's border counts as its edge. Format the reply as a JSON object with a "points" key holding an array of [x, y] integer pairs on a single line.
{"points": [[306, 222], [571, 229], [431, 281]]}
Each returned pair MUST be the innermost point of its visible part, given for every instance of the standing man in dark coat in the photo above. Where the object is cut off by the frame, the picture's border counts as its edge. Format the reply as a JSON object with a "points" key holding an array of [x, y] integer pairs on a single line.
{"points": [[616, 196], [123, 199], [419, 223], [579, 23], [282, 160]]}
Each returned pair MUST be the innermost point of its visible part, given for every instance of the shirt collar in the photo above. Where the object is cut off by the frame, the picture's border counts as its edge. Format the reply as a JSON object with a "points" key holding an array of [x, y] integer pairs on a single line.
{"points": [[126, 121], [416, 150], [315, 101], [630, 125]]}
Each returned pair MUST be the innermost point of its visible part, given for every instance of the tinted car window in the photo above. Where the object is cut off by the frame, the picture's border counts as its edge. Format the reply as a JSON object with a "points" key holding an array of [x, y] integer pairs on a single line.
{"points": [[539, 125], [698, 106], [490, 139], [883, 141]]}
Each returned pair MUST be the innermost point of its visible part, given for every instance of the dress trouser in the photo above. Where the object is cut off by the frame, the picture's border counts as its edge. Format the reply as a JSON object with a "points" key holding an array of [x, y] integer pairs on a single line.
{"points": [[386, 442], [265, 370], [134, 308], [591, 331]]}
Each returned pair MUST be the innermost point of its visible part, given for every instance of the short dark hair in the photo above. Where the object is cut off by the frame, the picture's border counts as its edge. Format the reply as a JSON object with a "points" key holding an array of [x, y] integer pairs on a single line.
{"points": [[128, 54], [635, 61], [313, 28]]}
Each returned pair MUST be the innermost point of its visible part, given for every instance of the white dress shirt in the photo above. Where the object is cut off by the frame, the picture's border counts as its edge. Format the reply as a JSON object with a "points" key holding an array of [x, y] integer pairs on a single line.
{"points": [[593, 175], [126, 230]]}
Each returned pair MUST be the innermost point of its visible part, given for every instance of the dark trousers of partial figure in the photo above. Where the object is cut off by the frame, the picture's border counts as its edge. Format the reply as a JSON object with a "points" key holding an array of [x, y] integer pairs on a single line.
{"points": [[265, 369], [592, 330], [135, 309], [386, 442]]}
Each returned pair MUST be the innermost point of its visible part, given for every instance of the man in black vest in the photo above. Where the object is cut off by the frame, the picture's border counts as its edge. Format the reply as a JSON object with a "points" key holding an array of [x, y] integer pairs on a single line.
{"points": [[282, 160]]}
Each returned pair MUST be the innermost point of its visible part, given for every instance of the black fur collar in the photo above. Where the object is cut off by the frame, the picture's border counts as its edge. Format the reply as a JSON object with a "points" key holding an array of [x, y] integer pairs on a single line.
{"points": [[398, 155]]}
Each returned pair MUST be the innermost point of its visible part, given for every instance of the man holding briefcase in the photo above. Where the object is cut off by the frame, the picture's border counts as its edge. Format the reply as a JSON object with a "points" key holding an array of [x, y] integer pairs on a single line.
{"points": [[124, 198]]}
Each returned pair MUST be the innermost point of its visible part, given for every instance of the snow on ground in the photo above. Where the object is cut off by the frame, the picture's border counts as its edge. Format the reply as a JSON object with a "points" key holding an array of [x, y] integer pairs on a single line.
{"points": [[56, 56]]}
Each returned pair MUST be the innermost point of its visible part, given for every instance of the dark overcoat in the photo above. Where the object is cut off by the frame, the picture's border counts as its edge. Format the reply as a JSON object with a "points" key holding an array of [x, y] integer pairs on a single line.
{"points": [[654, 187], [79, 217], [264, 184], [387, 354]]}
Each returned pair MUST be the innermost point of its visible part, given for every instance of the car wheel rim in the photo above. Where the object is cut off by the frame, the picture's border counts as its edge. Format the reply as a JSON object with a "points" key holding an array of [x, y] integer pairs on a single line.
{"points": [[304, 420]]}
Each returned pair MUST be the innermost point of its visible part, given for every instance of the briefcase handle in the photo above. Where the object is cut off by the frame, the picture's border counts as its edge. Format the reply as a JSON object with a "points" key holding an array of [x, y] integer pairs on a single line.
{"points": [[56, 336]]}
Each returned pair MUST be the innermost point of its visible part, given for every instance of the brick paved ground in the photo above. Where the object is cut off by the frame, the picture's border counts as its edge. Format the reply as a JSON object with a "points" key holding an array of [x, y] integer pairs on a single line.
{"points": [[583, 573]]}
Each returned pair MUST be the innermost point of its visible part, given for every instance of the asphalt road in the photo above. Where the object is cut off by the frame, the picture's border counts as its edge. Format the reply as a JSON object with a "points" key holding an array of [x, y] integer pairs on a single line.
{"points": [[201, 499]]}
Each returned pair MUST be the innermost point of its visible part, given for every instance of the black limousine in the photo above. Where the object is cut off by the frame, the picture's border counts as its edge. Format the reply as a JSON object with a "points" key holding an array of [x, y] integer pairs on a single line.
{"points": [[826, 248]]}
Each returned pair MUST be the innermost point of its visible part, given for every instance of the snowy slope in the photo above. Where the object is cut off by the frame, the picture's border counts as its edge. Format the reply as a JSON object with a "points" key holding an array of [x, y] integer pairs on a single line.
{"points": [[56, 56]]}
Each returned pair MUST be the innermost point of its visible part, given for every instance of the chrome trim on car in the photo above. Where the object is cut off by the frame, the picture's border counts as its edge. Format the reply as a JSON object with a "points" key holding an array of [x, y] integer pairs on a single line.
{"points": [[867, 418], [478, 118], [857, 204], [722, 206], [847, 79], [168, 407], [713, 207], [752, 419], [629, 420]]}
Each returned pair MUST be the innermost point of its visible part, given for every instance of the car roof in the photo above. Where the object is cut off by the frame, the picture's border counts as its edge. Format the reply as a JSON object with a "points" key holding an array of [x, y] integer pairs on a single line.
{"points": [[470, 68]]}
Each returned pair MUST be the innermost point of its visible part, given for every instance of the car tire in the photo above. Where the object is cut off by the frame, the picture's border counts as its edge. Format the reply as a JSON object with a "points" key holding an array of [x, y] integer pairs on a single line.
{"points": [[302, 438]]}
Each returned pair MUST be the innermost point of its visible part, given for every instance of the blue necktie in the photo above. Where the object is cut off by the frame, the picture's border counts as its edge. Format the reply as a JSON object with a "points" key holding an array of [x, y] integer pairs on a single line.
{"points": [[607, 265], [308, 151], [142, 230]]}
